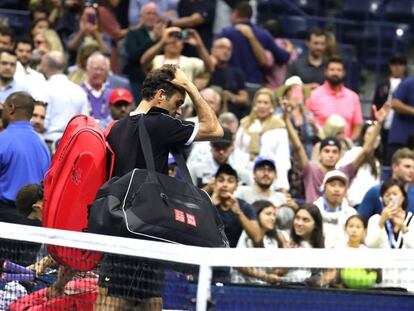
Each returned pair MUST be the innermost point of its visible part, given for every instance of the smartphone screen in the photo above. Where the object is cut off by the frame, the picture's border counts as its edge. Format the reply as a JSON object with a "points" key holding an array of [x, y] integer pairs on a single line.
{"points": [[91, 18]]}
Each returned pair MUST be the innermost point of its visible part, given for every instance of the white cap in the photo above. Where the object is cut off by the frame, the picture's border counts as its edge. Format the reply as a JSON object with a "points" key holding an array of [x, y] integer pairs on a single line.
{"points": [[335, 174], [293, 80]]}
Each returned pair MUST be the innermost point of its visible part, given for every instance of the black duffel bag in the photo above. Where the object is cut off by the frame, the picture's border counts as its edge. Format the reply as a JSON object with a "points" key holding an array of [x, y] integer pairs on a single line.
{"points": [[146, 204]]}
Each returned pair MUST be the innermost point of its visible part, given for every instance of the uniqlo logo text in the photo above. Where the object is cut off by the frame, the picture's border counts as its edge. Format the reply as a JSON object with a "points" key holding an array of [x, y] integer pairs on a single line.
{"points": [[191, 220], [179, 215]]}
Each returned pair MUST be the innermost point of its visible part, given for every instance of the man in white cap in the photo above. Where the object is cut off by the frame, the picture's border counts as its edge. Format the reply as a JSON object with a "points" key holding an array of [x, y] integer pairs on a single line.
{"points": [[334, 208]]}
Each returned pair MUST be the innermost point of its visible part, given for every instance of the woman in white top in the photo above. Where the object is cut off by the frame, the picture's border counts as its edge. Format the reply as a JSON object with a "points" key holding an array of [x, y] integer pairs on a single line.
{"points": [[262, 133], [271, 238], [306, 232], [369, 174], [393, 228]]}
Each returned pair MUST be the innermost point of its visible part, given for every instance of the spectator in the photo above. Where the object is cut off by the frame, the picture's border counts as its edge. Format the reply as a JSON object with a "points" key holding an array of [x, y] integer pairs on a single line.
{"points": [[306, 232], [60, 108], [262, 133], [96, 88], [310, 67], [251, 42], [77, 73], [333, 97], [270, 238], [393, 228], [334, 208], [139, 40], [264, 176], [38, 117], [39, 25], [333, 127], [403, 171], [229, 120], [221, 152], [199, 15], [213, 99], [236, 214], [89, 30], [403, 122], [44, 42], [6, 38], [110, 26], [276, 73], [330, 148], [167, 10], [25, 75], [120, 103], [24, 156], [369, 173], [384, 92], [172, 42], [229, 78], [8, 84]]}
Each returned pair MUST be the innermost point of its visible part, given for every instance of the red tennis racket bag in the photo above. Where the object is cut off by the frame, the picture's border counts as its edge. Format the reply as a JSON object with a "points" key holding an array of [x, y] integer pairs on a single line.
{"points": [[79, 168]]}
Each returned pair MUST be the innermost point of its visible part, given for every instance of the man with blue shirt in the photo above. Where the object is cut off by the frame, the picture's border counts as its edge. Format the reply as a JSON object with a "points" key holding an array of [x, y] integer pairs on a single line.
{"points": [[403, 122], [402, 170], [251, 41], [24, 157], [8, 85]]}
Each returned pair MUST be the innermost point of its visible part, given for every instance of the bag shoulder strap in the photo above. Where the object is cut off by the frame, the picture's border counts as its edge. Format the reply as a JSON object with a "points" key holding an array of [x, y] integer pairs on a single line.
{"points": [[146, 145]]}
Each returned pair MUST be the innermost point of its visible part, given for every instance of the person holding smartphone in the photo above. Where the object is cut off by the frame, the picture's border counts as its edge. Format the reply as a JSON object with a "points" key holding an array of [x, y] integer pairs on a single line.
{"points": [[88, 30]]}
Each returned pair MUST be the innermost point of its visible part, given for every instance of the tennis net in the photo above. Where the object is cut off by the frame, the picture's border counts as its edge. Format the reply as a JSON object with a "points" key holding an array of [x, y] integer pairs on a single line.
{"points": [[132, 274]]}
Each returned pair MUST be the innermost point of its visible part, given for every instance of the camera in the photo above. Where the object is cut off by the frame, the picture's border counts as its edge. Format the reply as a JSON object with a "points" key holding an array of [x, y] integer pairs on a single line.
{"points": [[181, 35]]}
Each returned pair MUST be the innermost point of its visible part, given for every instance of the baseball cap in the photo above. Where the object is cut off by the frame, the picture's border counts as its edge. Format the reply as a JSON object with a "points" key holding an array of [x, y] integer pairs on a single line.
{"points": [[330, 141], [120, 94], [225, 141], [293, 80], [335, 174], [262, 160]]}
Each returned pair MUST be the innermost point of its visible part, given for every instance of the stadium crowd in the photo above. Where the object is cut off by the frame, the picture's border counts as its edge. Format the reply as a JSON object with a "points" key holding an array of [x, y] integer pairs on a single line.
{"points": [[298, 166]]}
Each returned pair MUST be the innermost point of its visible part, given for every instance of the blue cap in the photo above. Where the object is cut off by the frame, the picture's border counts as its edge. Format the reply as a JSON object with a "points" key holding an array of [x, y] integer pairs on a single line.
{"points": [[263, 160]]}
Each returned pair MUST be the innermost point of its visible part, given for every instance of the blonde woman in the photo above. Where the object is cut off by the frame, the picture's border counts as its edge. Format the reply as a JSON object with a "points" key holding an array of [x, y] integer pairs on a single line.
{"points": [[262, 133]]}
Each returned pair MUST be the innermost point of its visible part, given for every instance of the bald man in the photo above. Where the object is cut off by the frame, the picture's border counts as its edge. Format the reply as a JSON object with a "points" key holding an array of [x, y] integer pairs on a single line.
{"points": [[65, 99], [230, 79]]}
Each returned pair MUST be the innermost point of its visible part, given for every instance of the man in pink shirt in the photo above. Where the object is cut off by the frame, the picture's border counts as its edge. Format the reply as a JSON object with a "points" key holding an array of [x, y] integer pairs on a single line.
{"points": [[332, 97]]}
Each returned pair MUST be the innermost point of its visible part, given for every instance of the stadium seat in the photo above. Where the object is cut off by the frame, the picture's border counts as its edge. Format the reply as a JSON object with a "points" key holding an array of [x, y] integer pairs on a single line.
{"points": [[300, 46], [18, 20], [360, 10], [400, 11], [296, 26], [386, 172], [311, 7]]}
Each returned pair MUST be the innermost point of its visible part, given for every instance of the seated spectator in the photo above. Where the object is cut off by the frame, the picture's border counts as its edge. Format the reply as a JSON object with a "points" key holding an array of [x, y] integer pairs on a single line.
{"points": [[8, 84], [25, 75], [77, 72], [310, 67], [229, 78], [262, 133], [221, 152], [264, 175], [334, 208], [89, 30], [306, 232], [38, 117], [270, 238], [6, 38], [393, 228], [369, 174], [141, 39], [236, 214], [403, 171], [212, 98], [96, 88], [120, 103], [44, 42], [39, 25], [332, 97], [356, 231], [275, 73], [330, 148], [333, 127]]}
